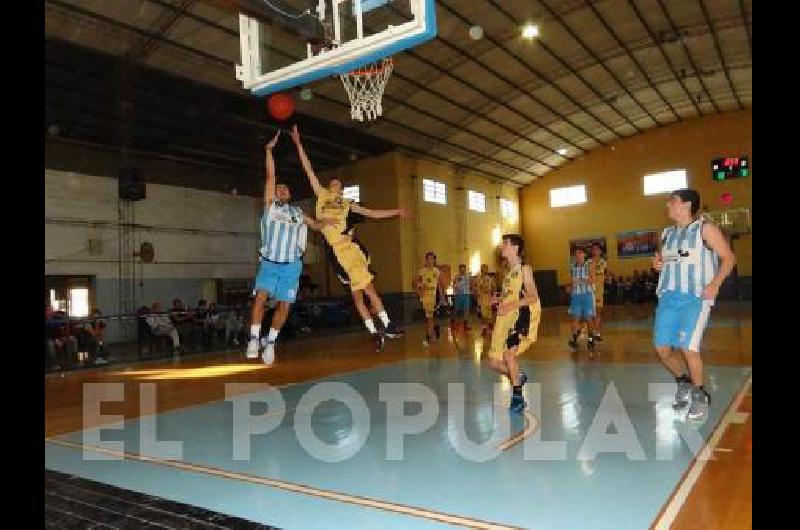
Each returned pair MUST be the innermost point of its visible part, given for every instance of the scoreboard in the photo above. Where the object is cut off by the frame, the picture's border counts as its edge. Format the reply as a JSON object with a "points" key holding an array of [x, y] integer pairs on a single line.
{"points": [[730, 168]]}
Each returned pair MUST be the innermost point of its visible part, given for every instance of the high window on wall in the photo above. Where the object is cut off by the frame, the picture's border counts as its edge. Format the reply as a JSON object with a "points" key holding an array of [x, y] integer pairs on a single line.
{"points": [[507, 209], [665, 182], [433, 191], [476, 201], [352, 192], [567, 196]]}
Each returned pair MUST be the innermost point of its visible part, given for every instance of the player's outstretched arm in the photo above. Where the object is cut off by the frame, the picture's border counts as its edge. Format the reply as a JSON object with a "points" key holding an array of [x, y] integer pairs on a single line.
{"points": [[269, 184], [379, 214], [307, 167]]}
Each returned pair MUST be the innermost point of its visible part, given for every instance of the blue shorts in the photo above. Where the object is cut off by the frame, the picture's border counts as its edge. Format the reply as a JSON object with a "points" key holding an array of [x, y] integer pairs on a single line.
{"points": [[462, 303], [279, 280], [681, 319], [581, 306]]}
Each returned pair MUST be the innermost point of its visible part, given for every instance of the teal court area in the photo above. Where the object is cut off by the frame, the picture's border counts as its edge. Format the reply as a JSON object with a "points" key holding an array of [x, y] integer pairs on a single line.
{"points": [[542, 473]]}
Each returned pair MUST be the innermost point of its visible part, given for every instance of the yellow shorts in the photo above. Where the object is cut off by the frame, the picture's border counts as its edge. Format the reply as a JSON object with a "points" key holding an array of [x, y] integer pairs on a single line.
{"points": [[598, 296], [485, 305], [518, 328], [352, 260], [428, 303]]}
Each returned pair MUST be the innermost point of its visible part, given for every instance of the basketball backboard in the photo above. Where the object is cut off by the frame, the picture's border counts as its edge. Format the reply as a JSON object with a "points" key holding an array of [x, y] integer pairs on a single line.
{"points": [[356, 33]]}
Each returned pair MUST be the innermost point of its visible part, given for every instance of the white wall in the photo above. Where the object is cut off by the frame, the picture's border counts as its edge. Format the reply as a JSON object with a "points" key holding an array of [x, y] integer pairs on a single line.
{"points": [[198, 236]]}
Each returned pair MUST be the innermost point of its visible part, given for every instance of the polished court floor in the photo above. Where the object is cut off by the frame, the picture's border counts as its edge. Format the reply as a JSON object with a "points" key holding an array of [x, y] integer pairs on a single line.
{"points": [[599, 446]]}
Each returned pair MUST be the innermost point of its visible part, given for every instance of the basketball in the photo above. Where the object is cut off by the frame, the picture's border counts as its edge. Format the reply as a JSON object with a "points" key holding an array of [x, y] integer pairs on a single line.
{"points": [[281, 106]]}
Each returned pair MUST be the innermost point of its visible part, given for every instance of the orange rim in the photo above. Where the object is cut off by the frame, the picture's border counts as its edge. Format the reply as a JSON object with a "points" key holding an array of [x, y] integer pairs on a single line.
{"points": [[371, 71]]}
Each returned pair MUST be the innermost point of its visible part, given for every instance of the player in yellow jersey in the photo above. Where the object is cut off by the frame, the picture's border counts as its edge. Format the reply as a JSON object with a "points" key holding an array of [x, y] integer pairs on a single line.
{"points": [[484, 285], [331, 206], [600, 267], [428, 281], [518, 313]]}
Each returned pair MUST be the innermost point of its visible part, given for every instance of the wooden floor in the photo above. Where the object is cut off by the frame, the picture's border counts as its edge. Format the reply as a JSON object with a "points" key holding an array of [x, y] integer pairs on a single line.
{"points": [[720, 499]]}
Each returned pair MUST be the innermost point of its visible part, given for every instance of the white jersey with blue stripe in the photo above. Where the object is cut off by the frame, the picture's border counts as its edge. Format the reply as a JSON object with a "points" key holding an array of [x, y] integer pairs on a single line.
{"points": [[461, 285], [283, 233], [688, 264], [581, 272]]}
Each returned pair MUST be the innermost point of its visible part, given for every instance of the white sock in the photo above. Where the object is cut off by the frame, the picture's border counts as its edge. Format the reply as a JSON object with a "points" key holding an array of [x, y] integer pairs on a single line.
{"points": [[255, 331], [273, 334], [384, 318], [370, 326]]}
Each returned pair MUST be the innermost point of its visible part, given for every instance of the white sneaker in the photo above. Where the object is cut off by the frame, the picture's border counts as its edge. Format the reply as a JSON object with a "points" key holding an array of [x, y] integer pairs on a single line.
{"points": [[269, 353], [252, 349]]}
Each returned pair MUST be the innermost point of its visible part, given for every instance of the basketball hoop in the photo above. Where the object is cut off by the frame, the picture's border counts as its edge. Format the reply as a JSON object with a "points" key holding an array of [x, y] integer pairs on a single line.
{"points": [[365, 87]]}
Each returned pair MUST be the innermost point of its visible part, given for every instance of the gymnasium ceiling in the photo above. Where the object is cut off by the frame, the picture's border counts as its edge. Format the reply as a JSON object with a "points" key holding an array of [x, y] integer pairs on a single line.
{"points": [[600, 70]]}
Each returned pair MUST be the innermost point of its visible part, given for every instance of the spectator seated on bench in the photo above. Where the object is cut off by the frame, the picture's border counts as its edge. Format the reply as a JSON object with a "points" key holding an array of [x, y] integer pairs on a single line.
{"points": [[183, 321], [161, 326], [60, 345], [90, 334], [215, 323], [234, 326]]}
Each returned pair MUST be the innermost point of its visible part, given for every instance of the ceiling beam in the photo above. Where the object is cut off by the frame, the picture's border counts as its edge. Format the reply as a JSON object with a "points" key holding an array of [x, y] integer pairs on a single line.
{"points": [[688, 53], [550, 81], [633, 58], [667, 60], [280, 13], [535, 71], [139, 53], [746, 25], [598, 60], [228, 63], [420, 86], [719, 54]]}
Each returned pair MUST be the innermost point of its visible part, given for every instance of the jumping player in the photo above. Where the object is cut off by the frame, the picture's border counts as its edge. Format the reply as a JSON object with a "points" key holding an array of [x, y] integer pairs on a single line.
{"points": [[332, 207], [283, 241]]}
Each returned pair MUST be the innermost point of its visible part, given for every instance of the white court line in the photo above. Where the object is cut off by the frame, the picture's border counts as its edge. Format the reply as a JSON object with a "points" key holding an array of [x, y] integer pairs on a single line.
{"points": [[683, 489]]}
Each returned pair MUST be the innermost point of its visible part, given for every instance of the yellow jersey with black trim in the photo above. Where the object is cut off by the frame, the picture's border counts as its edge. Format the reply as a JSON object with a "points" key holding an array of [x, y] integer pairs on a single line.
{"points": [[599, 267], [485, 285], [429, 280], [333, 207]]}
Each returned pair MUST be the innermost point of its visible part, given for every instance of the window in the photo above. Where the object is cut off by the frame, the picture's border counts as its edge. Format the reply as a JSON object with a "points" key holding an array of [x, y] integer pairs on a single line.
{"points": [[476, 201], [664, 182], [433, 191], [475, 263], [79, 302], [507, 209], [567, 196], [352, 193]]}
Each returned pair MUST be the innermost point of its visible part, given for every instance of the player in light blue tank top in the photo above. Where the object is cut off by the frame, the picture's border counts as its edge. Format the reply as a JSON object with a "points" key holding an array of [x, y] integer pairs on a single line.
{"points": [[693, 260], [581, 300], [283, 238], [462, 295]]}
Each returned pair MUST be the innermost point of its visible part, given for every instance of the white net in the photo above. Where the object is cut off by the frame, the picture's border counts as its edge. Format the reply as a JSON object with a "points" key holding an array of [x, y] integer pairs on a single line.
{"points": [[365, 88]]}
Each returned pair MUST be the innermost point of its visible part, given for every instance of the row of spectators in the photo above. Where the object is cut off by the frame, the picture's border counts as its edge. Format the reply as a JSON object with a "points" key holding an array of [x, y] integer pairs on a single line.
{"points": [[637, 289]]}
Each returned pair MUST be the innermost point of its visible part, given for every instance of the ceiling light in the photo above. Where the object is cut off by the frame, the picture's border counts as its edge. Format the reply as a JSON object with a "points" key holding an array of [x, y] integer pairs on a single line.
{"points": [[562, 151], [530, 31]]}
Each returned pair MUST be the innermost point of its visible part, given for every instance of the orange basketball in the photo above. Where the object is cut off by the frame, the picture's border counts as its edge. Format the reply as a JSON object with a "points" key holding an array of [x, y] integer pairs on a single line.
{"points": [[281, 106]]}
